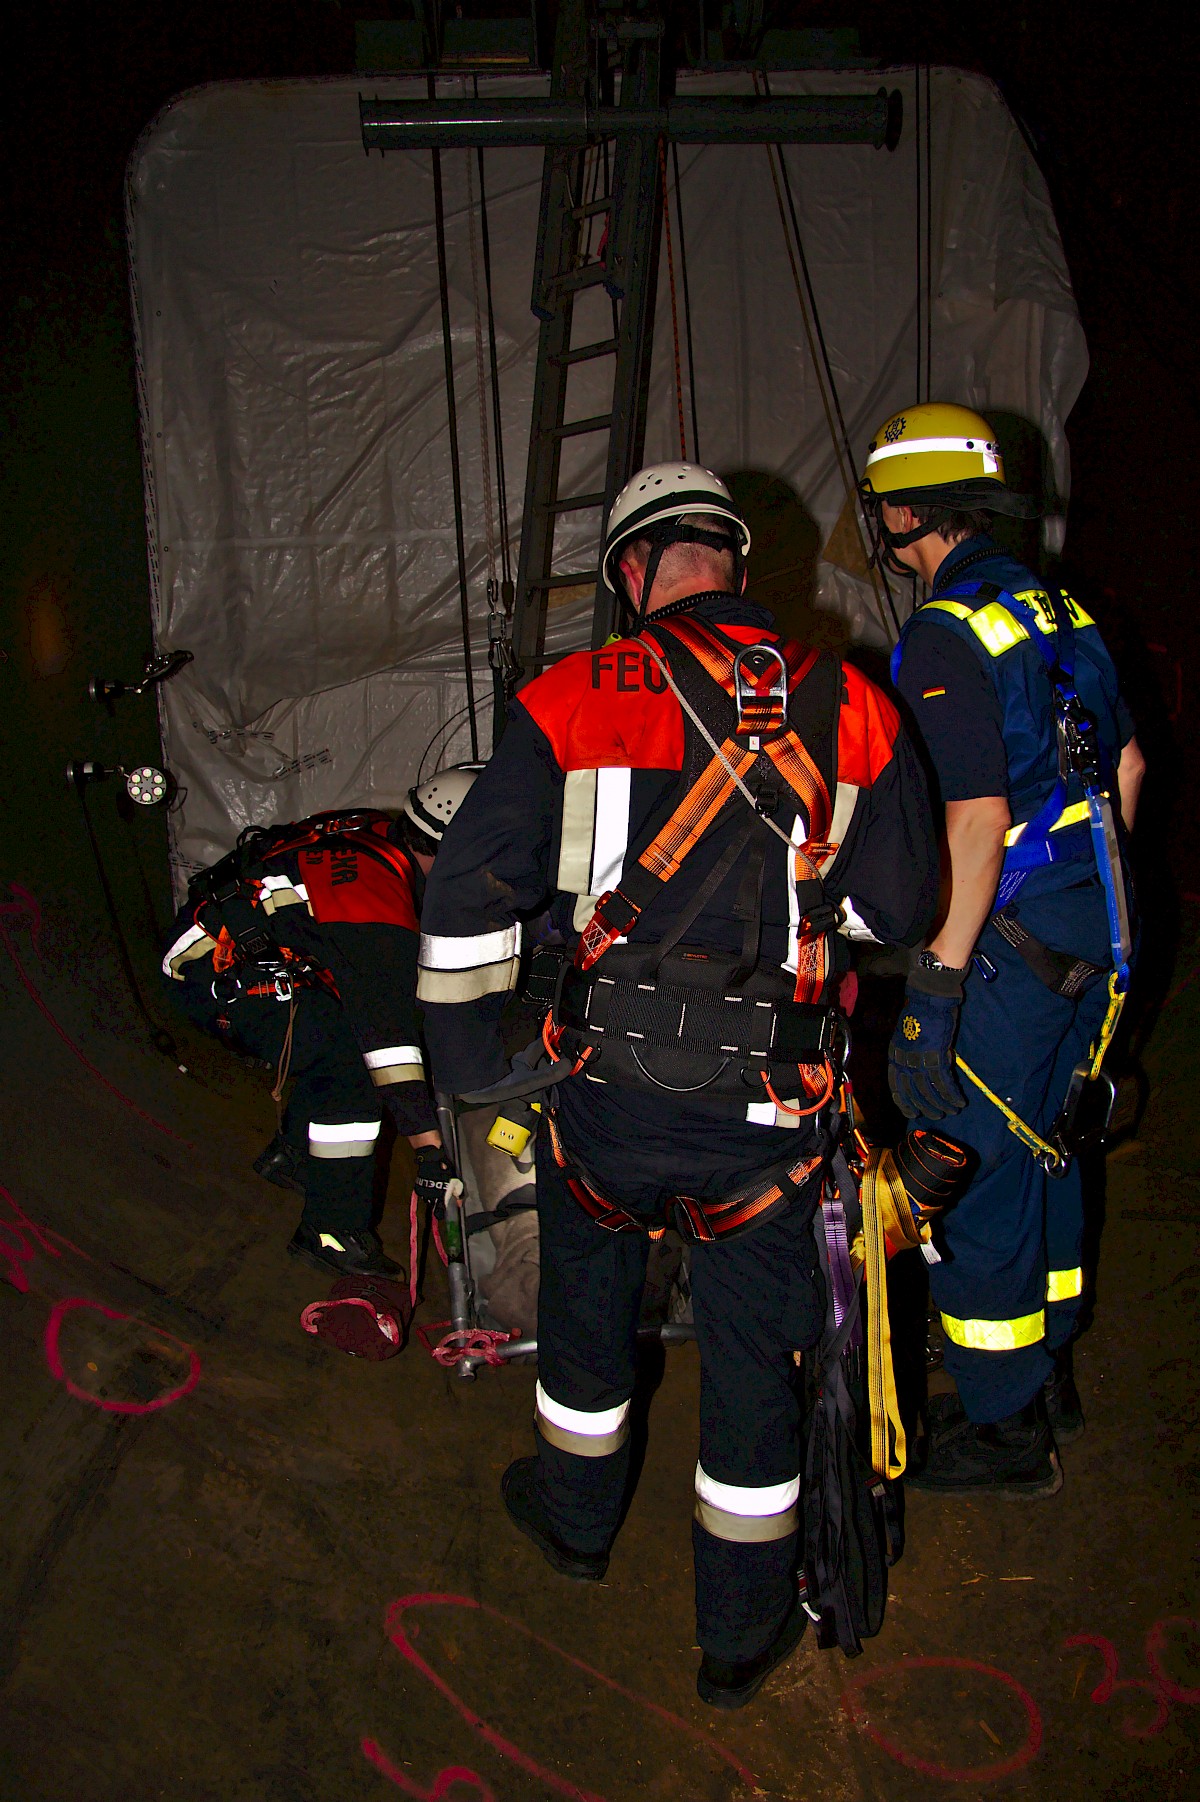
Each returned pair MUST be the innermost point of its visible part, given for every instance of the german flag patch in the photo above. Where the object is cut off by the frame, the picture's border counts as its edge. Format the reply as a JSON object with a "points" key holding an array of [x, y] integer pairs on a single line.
{"points": [[929, 693]]}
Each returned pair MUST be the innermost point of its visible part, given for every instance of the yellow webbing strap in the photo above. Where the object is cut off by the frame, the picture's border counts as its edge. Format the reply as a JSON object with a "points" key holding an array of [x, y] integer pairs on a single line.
{"points": [[1116, 1001], [889, 1450], [1016, 1125]]}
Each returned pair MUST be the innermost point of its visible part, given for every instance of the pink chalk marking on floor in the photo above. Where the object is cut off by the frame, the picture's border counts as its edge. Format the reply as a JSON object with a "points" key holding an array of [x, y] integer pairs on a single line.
{"points": [[1156, 1645], [26, 911], [944, 1773], [562, 1786], [443, 1783], [70, 1305], [21, 1239]]}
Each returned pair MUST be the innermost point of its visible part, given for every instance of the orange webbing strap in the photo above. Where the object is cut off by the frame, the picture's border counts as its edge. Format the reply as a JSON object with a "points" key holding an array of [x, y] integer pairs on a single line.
{"points": [[715, 656], [708, 1220], [696, 812], [616, 912]]}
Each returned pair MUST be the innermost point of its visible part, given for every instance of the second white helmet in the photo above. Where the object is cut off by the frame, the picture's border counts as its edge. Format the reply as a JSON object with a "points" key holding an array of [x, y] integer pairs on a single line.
{"points": [[433, 804]]}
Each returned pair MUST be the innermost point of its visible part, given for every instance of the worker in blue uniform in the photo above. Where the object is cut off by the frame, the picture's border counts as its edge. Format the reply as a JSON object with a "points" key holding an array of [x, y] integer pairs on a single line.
{"points": [[710, 804], [1020, 982]]}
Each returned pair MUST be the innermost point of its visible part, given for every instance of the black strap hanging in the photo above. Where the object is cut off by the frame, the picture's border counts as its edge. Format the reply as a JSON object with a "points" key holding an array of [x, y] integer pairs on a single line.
{"points": [[439, 213]]}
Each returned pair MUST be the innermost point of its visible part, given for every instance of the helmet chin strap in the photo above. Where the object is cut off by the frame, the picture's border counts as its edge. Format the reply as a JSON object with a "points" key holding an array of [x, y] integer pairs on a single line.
{"points": [[661, 538], [890, 542]]}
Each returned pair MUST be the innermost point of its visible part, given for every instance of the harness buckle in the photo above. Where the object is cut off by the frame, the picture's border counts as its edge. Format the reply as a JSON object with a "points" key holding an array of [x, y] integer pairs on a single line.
{"points": [[605, 927], [760, 692]]}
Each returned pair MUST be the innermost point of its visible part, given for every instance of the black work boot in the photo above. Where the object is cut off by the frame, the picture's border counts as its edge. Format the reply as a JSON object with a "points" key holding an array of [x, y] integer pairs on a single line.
{"points": [[724, 1685], [525, 1512], [346, 1254], [1015, 1456], [1063, 1406], [279, 1163]]}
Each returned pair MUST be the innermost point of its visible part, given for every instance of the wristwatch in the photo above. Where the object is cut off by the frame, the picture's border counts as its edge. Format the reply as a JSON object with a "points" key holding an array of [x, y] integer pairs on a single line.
{"points": [[929, 960]]}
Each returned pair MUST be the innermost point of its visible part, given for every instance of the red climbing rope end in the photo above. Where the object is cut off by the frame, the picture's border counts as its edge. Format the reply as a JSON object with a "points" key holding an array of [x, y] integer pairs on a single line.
{"points": [[465, 1342]]}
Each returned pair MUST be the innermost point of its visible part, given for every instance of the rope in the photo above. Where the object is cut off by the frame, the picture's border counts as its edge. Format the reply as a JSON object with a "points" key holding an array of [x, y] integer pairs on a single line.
{"points": [[819, 352], [413, 1251], [285, 1061], [439, 215], [501, 476], [485, 459], [662, 170], [1116, 1001], [687, 305], [889, 1449], [1016, 1125], [801, 1113]]}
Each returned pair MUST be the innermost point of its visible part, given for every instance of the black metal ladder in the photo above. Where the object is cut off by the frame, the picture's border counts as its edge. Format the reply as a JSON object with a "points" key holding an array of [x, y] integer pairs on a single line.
{"points": [[627, 272]]}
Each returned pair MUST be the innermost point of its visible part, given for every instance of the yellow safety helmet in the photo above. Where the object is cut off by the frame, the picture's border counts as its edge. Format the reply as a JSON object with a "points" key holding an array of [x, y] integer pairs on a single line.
{"points": [[938, 455]]}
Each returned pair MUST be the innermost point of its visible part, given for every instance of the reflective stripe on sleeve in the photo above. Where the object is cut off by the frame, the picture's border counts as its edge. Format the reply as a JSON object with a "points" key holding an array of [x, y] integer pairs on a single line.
{"points": [[612, 827], [464, 967], [577, 832], [996, 1335], [193, 943], [1064, 1285], [351, 1139], [468, 951], [747, 1514], [588, 1435], [394, 1063]]}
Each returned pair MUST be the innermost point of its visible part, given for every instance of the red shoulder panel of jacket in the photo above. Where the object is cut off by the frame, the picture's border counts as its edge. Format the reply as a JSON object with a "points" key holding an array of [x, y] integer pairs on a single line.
{"points": [[346, 883], [608, 709], [867, 729]]}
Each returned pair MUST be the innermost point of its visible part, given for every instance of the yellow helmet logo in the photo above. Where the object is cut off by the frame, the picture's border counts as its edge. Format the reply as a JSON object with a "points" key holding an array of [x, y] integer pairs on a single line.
{"points": [[931, 446]]}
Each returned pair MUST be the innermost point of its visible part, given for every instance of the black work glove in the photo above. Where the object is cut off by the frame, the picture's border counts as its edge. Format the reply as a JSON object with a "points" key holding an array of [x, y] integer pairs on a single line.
{"points": [[433, 1174], [921, 1069]]}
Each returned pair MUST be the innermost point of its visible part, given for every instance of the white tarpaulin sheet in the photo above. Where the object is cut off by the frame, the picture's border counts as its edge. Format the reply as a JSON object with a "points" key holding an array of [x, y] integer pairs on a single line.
{"points": [[299, 502]]}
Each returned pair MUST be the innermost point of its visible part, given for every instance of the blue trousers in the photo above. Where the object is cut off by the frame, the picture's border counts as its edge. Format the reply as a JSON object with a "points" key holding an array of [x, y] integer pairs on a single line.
{"points": [[1009, 1289], [756, 1300]]}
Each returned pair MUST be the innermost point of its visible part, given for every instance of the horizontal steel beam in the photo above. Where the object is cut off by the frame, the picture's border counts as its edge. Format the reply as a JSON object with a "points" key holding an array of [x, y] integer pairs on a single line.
{"points": [[718, 119]]}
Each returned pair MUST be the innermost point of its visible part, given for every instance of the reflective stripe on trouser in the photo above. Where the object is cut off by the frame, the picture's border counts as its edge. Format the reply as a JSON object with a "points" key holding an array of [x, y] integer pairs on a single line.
{"points": [[1010, 1289], [586, 1433], [345, 1139], [996, 1335], [749, 1514], [755, 1304]]}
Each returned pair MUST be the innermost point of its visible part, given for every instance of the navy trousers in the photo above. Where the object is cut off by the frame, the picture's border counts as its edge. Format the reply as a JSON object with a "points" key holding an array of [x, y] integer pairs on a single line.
{"points": [[332, 1103], [1010, 1286], [757, 1300]]}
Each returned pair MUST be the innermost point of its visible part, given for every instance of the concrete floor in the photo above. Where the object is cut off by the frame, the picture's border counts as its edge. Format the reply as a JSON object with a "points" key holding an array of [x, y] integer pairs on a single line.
{"points": [[294, 1580]]}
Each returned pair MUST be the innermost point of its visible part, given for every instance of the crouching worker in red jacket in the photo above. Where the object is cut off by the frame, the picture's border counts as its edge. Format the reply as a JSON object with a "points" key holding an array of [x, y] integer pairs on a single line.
{"points": [[300, 948]]}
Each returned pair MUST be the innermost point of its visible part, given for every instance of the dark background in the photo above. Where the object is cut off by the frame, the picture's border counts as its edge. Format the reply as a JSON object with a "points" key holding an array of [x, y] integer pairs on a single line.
{"points": [[1106, 98]]}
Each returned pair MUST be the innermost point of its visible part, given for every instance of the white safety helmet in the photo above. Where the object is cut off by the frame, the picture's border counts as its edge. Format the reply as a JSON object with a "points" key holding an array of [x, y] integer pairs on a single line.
{"points": [[658, 494], [432, 805]]}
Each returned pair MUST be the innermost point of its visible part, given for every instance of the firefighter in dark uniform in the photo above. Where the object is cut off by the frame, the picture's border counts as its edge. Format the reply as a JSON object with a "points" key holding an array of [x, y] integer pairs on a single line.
{"points": [[300, 948], [707, 802], [1018, 983]]}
